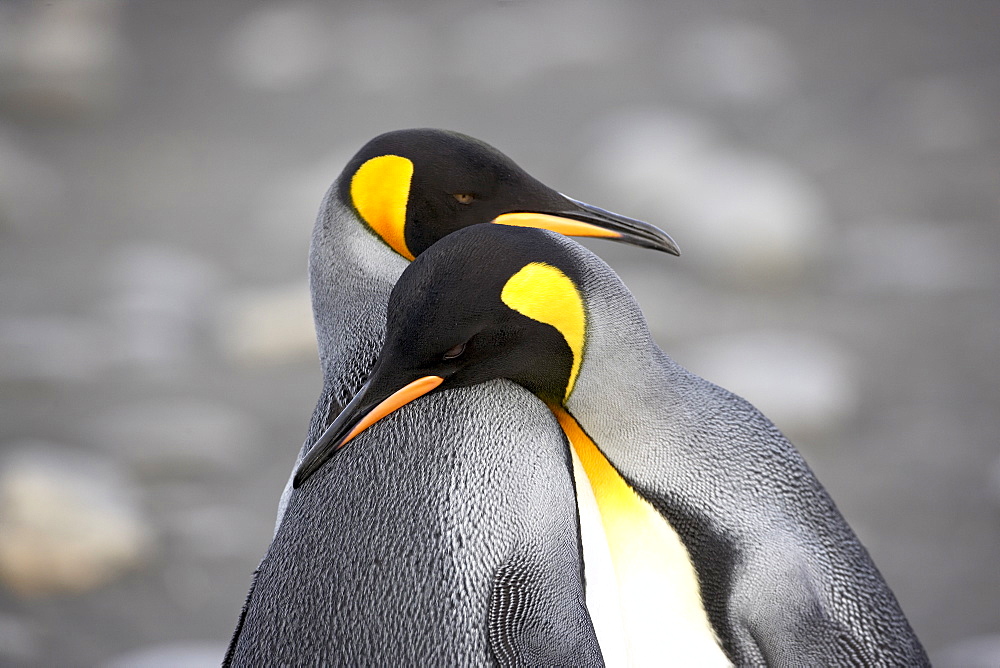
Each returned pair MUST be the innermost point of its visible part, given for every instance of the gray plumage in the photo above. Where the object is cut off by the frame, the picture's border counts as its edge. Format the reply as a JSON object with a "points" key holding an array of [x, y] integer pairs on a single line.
{"points": [[405, 550], [784, 578], [408, 546]]}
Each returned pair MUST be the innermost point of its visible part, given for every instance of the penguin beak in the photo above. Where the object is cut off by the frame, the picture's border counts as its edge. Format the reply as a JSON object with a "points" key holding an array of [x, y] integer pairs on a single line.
{"points": [[365, 409], [578, 219]]}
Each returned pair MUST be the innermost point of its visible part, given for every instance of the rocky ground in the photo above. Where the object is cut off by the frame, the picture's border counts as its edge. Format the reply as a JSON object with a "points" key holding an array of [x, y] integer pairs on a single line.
{"points": [[831, 171]]}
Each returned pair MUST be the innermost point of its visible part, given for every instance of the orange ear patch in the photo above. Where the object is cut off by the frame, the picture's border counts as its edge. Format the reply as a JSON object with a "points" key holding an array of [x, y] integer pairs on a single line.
{"points": [[379, 190]]}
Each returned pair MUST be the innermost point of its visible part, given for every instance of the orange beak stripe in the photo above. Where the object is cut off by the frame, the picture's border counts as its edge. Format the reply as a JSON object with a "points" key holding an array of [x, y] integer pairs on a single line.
{"points": [[567, 226], [396, 400]]}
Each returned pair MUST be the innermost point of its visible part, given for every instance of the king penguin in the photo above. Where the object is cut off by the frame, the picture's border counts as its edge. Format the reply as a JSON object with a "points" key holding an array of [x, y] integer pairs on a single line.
{"points": [[449, 535], [691, 482]]}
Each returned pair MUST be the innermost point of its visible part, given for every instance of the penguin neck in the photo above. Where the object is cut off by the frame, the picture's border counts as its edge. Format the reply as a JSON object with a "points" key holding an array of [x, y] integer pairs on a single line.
{"points": [[628, 393], [351, 273], [642, 588], [623, 387]]}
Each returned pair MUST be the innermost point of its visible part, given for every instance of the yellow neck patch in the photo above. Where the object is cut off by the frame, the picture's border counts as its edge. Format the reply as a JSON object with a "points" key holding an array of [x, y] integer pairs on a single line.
{"points": [[658, 587], [380, 189], [544, 293]]}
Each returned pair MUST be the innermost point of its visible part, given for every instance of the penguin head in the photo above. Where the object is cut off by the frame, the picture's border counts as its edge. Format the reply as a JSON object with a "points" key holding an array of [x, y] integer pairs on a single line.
{"points": [[487, 302], [414, 187]]}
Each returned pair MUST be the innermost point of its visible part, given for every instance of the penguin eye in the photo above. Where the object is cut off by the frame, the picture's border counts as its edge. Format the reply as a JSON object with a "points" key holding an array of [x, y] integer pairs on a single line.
{"points": [[454, 351], [464, 198]]}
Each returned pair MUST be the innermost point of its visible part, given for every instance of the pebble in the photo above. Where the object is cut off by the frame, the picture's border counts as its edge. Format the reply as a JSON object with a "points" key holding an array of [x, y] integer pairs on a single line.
{"points": [[69, 521], [268, 326], [183, 654], [176, 437], [803, 383], [742, 214]]}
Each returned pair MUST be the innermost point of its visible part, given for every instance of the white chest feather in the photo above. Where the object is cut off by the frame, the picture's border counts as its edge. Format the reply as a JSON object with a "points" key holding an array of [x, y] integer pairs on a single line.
{"points": [[642, 590]]}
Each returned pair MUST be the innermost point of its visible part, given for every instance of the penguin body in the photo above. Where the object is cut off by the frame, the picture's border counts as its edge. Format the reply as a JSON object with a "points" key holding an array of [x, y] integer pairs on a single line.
{"points": [[411, 551], [449, 534], [783, 579]]}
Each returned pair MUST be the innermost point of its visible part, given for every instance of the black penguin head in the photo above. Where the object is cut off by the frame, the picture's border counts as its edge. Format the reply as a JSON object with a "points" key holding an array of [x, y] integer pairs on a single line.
{"points": [[489, 302], [486, 302], [414, 187]]}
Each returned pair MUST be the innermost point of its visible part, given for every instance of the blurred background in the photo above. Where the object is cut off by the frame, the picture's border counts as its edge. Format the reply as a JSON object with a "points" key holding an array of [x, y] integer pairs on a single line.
{"points": [[831, 171]]}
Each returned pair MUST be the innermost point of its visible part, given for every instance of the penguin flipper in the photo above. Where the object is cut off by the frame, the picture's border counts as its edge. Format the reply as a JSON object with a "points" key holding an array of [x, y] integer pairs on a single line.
{"points": [[805, 634], [805, 615], [532, 622]]}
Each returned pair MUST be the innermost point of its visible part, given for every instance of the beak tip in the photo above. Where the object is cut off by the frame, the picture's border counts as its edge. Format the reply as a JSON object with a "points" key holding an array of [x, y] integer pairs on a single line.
{"points": [[622, 228]]}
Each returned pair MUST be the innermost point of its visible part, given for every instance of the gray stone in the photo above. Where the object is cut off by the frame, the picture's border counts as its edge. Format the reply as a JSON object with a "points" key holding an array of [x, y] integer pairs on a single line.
{"points": [[69, 521]]}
